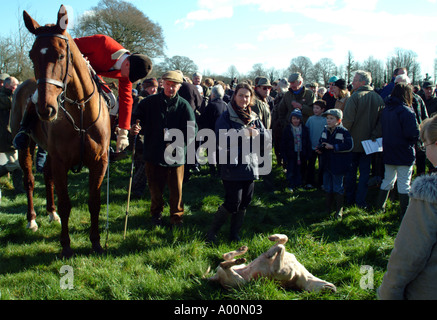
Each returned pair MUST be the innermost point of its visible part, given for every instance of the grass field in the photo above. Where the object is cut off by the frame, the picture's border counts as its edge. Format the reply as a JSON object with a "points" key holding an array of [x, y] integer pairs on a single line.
{"points": [[157, 263]]}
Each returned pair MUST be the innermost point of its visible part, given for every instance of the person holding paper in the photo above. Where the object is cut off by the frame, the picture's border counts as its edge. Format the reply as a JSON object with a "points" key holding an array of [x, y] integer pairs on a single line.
{"points": [[400, 133], [361, 118]]}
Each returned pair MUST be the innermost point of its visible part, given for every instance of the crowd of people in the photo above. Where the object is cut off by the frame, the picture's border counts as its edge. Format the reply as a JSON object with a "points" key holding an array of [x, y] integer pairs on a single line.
{"points": [[317, 138], [316, 134], [308, 129]]}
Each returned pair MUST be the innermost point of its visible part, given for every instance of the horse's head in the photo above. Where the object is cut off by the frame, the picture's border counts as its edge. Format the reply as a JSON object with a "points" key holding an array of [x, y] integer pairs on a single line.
{"points": [[50, 55]]}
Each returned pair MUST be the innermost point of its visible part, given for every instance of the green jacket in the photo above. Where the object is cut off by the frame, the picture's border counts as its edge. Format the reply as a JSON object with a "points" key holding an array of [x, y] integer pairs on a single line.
{"points": [[361, 116], [159, 116], [285, 108], [262, 109], [5, 129]]}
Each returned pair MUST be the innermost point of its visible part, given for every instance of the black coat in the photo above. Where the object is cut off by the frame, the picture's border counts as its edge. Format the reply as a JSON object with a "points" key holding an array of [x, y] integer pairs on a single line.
{"points": [[212, 112], [287, 144]]}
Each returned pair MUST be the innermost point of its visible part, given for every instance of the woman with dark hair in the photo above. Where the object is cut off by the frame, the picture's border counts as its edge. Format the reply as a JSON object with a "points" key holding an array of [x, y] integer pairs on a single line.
{"points": [[237, 126], [400, 133], [341, 93]]}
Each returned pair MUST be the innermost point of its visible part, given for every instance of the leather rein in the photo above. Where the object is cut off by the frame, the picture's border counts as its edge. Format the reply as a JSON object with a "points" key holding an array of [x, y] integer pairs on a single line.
{"points": [[62, 98]]}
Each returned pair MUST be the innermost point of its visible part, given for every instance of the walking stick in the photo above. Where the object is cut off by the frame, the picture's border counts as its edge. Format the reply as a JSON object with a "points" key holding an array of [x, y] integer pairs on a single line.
{"points": [[130, 182]]}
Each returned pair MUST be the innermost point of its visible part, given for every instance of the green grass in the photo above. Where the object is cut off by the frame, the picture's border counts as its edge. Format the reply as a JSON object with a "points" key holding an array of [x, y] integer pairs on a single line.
{"points": [[157, 263]]}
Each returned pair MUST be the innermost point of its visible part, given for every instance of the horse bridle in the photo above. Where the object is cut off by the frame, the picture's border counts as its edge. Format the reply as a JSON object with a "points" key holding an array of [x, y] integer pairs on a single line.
{"points": [[57, 83], [62, 97]]}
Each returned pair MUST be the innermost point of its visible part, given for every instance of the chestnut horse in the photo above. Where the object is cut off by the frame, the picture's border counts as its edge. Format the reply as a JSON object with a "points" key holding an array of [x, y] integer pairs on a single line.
{"points": [[73, 125]]}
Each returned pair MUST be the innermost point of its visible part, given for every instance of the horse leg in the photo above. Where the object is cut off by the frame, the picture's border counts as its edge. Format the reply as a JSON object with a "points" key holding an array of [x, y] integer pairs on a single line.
{"points": [[50, 192], [25, 159], [60, 178], [96, 176]]}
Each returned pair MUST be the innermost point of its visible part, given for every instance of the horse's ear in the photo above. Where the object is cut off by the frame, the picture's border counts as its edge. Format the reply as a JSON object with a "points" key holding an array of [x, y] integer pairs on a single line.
{"points": [[62, 19], [30, 24]]}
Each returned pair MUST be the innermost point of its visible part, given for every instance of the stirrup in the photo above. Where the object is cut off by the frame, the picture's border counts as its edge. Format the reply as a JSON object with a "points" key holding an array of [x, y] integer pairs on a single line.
{"points": [[21, 140]]}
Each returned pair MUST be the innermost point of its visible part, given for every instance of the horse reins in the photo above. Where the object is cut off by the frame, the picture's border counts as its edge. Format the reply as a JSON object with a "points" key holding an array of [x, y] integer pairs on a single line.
{"points": [[62, 98]]}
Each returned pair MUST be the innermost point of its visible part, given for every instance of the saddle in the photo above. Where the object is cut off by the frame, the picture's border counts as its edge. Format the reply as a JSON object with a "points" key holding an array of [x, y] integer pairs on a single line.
{"points": [[106, 92]]}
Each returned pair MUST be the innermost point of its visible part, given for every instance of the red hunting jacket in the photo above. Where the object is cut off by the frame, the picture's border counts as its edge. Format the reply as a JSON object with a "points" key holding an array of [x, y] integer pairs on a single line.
{"points": [[103, 52]]}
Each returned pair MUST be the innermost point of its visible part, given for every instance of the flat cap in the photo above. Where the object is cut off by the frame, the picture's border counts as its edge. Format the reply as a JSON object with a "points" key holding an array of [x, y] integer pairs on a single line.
{"points": [[173, 76]]}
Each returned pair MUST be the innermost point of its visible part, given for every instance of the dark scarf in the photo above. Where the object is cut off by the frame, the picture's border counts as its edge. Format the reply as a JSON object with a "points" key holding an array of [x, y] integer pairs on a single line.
{"points": [[299, 91], [244, 115]]}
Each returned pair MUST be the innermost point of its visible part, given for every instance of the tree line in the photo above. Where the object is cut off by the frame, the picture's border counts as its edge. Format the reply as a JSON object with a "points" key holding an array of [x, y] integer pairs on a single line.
{"points": [[134, 30]]}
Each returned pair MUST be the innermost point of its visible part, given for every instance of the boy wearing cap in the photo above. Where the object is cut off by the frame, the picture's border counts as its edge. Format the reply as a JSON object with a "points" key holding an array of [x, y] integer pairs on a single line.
{"points": [[295, 149], [335, 146]]}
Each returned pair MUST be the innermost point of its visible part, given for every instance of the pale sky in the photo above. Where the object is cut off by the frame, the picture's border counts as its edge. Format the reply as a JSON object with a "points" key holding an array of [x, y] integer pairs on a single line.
{"points": [[216, 34]]}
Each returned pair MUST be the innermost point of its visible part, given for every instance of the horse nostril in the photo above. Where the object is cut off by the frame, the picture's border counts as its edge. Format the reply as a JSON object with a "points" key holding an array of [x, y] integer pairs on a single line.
{"points": [[52, 112], [48, 113]]}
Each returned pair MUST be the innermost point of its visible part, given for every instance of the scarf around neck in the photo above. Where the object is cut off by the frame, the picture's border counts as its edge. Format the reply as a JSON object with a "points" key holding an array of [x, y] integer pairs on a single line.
{"points": [[296, 92], [243, 114]]}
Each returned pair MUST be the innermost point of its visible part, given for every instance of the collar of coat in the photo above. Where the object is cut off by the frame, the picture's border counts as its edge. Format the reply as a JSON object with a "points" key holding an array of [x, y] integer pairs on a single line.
{"points": [[425, 188]]}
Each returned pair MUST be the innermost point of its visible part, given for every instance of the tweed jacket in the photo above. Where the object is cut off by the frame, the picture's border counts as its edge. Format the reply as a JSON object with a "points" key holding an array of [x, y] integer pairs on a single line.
{"points": [[412, 267], [361, 116]]}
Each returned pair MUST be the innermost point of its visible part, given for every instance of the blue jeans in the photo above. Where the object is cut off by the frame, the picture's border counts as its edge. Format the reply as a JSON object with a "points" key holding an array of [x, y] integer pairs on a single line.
{"points": [[356, 194], [333, 183]]}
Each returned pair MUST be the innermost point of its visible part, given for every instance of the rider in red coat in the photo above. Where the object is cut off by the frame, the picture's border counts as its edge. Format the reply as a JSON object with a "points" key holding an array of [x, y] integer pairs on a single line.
{"points": [[109, 59]]}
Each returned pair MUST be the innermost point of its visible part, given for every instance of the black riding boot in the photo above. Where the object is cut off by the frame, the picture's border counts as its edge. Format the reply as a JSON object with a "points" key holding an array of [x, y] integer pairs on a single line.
{"points": [[21, 140], [17, 181], [236, 224], [404, 201], [3, 171], [381, 200], [329, 200], [219, 220]]}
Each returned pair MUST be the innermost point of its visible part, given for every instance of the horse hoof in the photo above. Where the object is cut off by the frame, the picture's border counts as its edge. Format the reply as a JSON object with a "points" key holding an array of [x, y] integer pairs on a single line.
{"points": [[32, 225], [67, 253], [53, 216], [97, 249]]}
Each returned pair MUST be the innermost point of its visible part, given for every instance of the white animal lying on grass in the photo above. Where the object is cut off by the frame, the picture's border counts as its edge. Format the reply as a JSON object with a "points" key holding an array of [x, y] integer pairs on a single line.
{"points": [[275, 264]]}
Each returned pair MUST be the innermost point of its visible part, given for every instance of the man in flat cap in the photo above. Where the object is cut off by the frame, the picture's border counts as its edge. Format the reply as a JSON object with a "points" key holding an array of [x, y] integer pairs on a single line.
{"points": [[163, 116], [109, 59]]}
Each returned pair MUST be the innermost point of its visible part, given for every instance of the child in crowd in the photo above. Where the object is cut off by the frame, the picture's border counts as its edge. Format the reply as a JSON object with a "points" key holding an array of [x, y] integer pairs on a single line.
{"points": [[335, 146], [295, 149], [315, 124]]}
